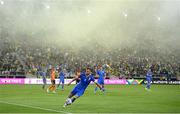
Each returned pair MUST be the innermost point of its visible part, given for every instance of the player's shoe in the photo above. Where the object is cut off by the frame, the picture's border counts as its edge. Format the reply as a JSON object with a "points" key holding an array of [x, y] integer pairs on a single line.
{"points": [[104, 91], [147, 89], [47, 90], [64, 105]]}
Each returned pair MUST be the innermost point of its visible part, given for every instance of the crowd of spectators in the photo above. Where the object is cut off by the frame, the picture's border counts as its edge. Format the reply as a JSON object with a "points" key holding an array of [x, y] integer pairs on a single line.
{"points": [[23, 58]]}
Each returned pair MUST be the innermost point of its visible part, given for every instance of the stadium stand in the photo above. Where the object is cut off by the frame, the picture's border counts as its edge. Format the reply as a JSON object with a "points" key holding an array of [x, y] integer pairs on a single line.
{"points": [[22, 59]]}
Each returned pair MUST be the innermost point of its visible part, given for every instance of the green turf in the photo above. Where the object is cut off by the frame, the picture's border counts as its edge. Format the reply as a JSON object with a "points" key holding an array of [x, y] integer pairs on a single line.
{"points": [[118, 99]]}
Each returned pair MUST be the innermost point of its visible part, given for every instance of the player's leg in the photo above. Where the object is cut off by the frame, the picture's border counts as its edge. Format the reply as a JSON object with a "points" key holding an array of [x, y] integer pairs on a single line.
{"points": [[69, 100], [44, 83], [43, 87], [74, 98], [53, 87], [103, 89], [96, 88], [72, 93], [62, 85], [102, 84], [148, 84], [77, 95], [50, 87], [59, 83]]}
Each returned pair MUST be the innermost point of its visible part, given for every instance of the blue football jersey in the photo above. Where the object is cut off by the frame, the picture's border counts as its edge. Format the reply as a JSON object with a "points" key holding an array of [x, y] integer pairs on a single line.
{"points": [[149, 75], [101, 74], [61, 75], [85, 80]]}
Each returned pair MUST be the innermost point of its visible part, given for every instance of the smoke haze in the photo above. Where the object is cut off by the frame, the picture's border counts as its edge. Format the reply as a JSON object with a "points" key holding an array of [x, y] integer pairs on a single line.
{"points": [[86, 23]]}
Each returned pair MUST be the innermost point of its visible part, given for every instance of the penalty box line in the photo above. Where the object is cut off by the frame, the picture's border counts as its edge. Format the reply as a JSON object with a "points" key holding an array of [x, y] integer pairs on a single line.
{"points": [[35, 107]]}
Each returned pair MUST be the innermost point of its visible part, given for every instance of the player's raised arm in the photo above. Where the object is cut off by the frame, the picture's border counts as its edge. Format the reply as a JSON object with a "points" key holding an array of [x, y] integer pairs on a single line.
{"points": [[75, 78]]}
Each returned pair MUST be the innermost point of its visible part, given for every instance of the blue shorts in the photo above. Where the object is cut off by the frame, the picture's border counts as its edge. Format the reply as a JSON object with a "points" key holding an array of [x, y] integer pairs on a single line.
{"points": [[78, 91], [44, 81], [61, 81], [148, 80], [101, 82]]}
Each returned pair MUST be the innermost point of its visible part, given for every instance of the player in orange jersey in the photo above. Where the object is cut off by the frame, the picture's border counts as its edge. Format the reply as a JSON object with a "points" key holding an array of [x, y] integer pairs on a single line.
{"points": [[52, 86]]}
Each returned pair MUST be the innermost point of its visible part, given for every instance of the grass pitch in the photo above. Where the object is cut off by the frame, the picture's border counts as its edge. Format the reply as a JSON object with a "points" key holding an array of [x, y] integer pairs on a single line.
{"points": [[117, 99]]}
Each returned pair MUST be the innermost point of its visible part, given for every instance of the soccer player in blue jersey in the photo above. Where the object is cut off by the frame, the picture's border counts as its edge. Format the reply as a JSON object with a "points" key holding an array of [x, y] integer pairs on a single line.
{"points": [[85, 79], [101, 75], [61, 79], [148, 79], [43, 74]]}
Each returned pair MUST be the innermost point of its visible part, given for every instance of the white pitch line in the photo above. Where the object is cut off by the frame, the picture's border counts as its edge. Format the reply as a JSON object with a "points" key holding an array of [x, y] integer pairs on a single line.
{"points": [[34, 107]]}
